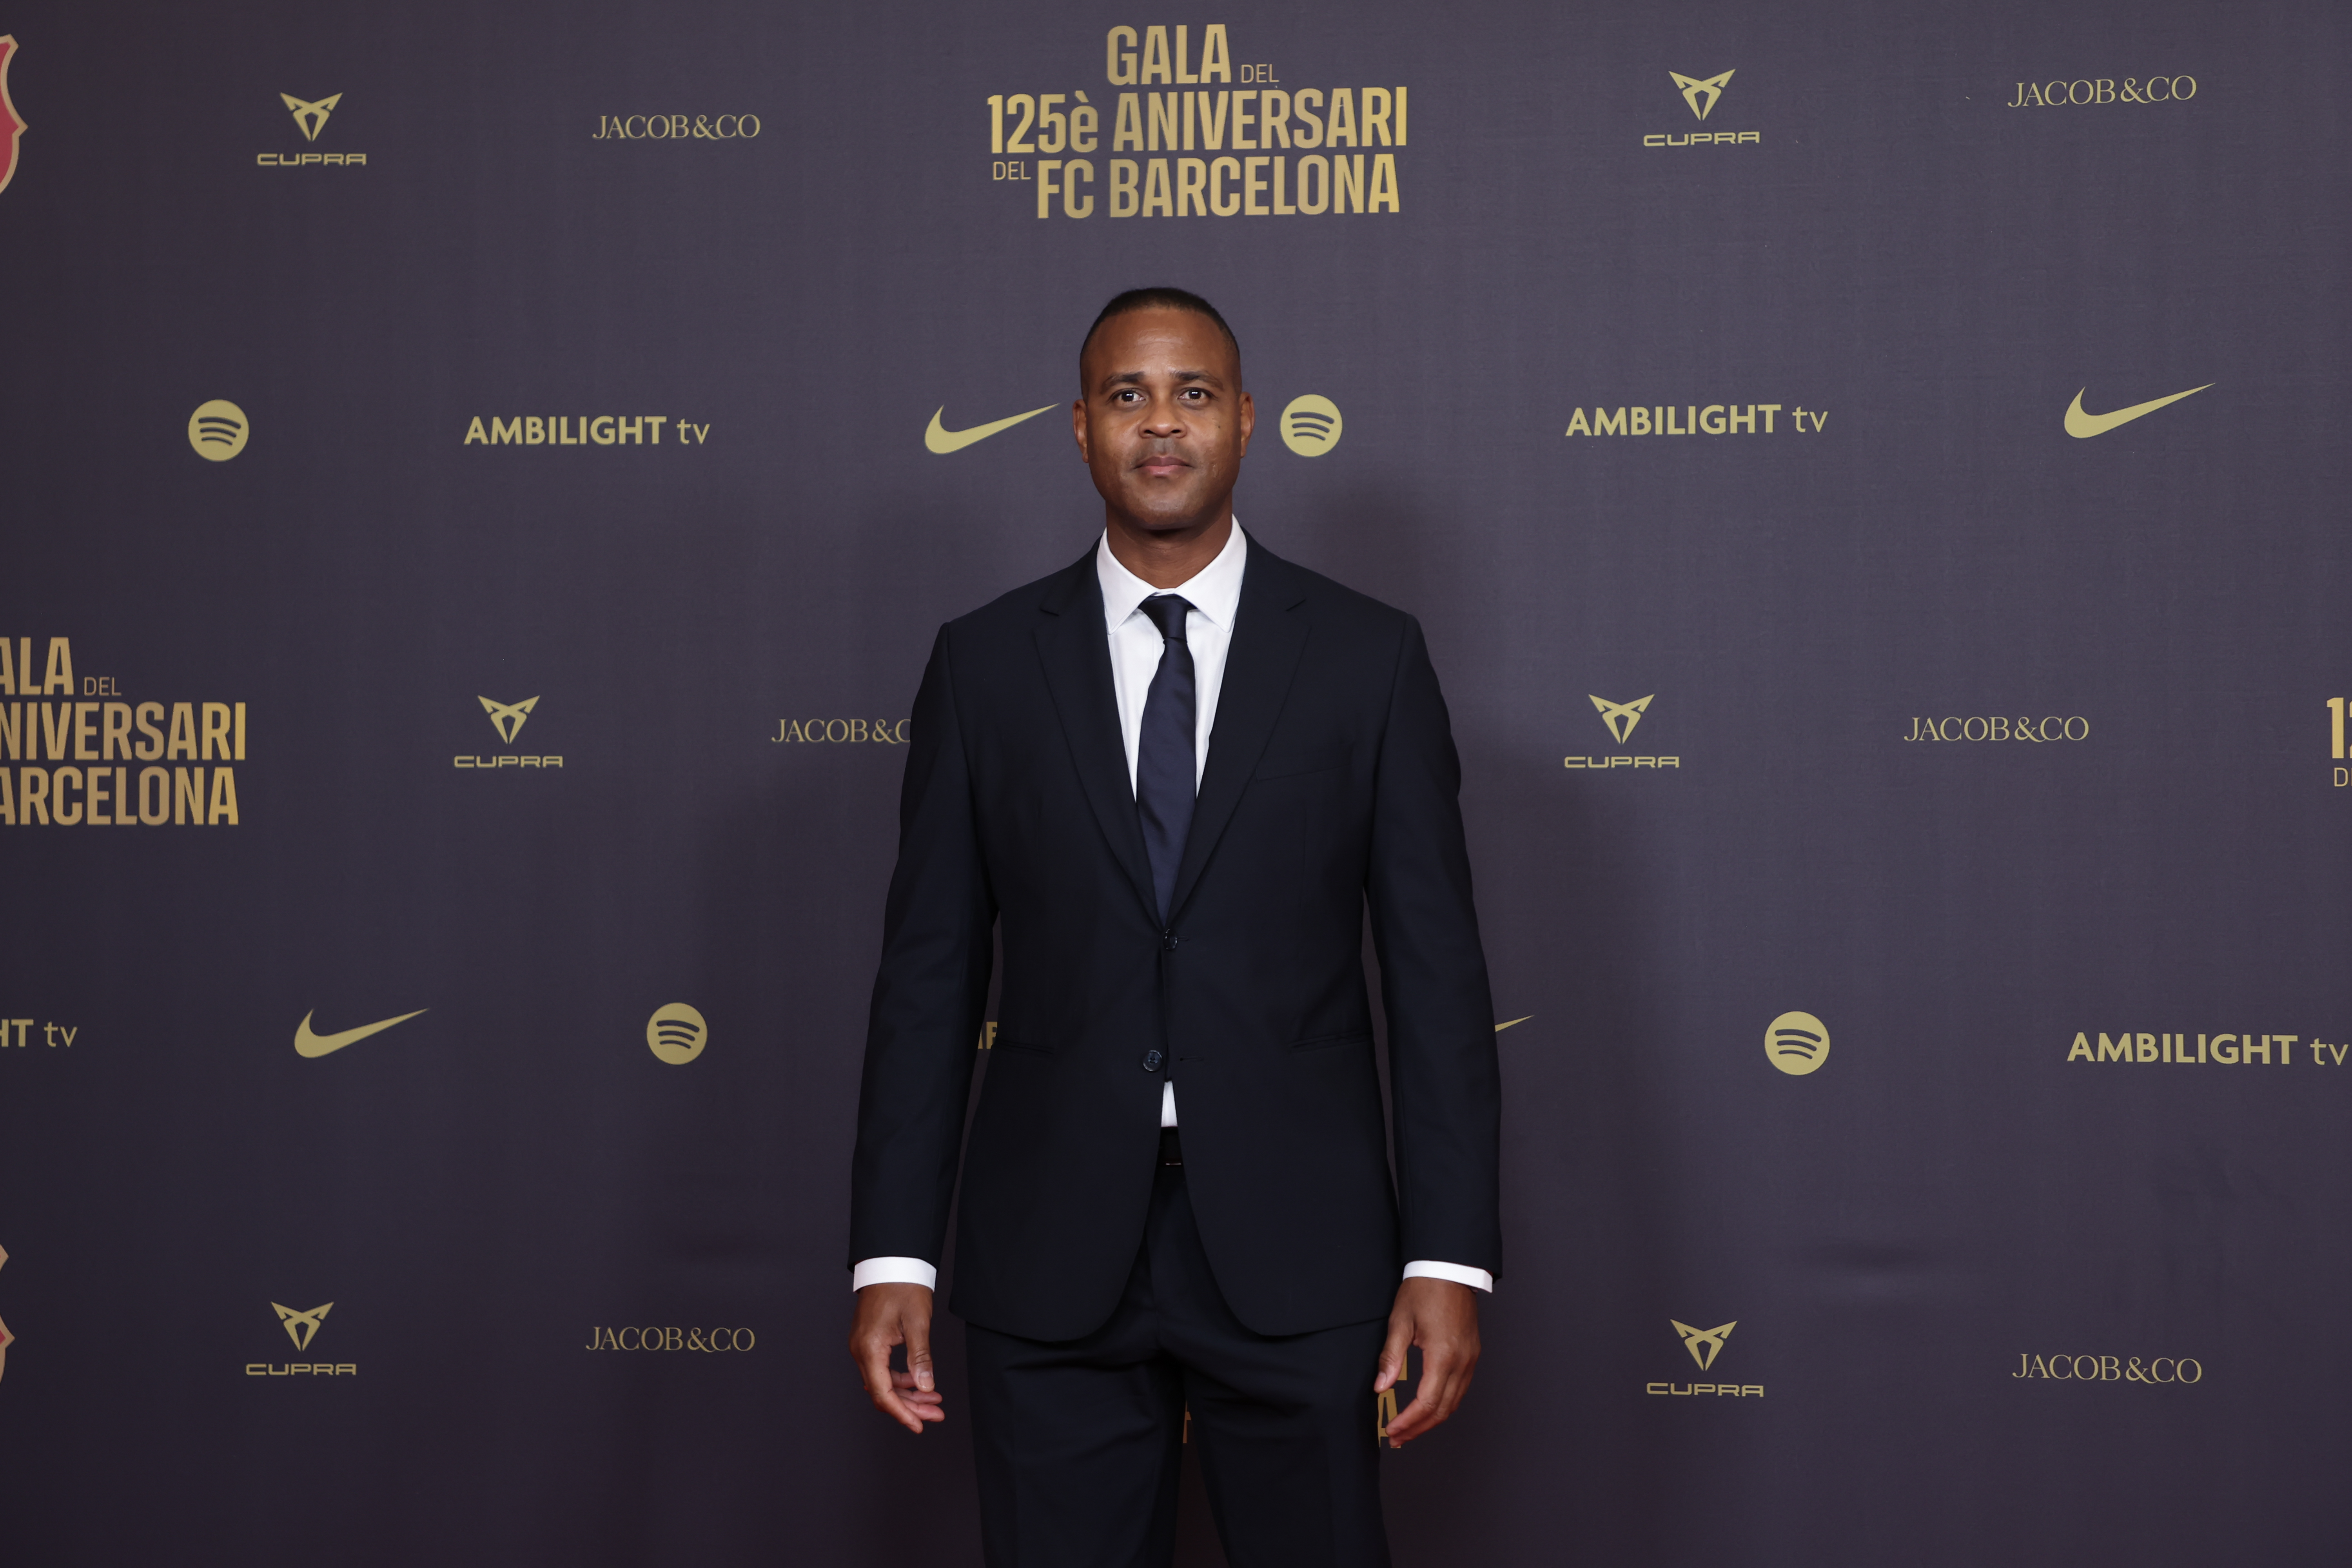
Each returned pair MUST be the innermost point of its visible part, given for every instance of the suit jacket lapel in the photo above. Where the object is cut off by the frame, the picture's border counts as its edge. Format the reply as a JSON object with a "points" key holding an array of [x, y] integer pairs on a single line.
{"points": [[1075, 653], [1269, 634]]}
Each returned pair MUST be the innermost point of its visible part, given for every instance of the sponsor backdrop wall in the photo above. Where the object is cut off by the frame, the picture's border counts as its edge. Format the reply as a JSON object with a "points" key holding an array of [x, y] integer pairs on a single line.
{"points": [[480, 483]]}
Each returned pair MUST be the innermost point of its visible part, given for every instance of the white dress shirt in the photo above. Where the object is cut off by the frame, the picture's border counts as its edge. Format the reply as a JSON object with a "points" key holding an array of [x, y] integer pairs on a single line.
{"points": [[1215, 595]]}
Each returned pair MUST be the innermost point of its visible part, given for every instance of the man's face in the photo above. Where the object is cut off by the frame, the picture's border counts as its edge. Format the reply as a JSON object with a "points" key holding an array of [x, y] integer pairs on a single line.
{"points": [[1163, 420]]}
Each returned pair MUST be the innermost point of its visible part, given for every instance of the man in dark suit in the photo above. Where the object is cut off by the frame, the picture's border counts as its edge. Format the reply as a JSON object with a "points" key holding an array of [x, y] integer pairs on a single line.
{"points": [[1171, 778]]}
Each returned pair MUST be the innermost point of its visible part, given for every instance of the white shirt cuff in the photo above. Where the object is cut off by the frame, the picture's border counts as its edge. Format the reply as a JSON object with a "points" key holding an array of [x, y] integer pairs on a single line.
{"points": [[895, 1271], [1422, 1269]]}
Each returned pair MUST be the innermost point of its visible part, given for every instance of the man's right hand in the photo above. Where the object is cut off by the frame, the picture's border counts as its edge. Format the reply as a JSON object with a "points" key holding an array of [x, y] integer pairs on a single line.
{"points": [[890, 1316]]}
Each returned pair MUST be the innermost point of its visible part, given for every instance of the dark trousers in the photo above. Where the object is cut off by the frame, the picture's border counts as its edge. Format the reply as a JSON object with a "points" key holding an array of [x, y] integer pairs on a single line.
{"points": [[1077, 1441]]}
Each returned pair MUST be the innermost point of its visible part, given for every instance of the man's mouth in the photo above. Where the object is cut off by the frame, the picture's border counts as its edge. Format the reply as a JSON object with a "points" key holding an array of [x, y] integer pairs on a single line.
{"points": [[1162, 463]]}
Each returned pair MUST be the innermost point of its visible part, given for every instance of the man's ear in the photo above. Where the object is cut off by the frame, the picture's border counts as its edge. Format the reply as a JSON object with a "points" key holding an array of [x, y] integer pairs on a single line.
{"points": [[1078, 429], [1249, 422]]}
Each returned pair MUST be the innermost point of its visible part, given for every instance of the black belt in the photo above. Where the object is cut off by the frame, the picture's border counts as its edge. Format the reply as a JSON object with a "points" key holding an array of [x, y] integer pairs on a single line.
{"points": [[1172, 1152]]}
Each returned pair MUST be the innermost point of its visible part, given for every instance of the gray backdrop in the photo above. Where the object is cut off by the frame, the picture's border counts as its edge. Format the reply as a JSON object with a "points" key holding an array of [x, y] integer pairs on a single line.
{"points": [[1969, 1276]]}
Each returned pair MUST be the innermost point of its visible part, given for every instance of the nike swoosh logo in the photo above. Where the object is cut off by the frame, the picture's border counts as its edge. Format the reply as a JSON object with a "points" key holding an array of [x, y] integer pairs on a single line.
{"points": [[2083, 426], [307, 1044], [942, 440], [1500, 1028]]}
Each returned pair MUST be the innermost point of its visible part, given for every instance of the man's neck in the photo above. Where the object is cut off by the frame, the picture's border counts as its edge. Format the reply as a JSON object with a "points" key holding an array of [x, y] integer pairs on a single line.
{"points": [[1173, 557]]}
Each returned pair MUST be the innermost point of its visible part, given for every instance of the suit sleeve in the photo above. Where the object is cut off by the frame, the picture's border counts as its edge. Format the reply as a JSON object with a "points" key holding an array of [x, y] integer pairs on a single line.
{"points": [[1443, 1074], [929, 992]]}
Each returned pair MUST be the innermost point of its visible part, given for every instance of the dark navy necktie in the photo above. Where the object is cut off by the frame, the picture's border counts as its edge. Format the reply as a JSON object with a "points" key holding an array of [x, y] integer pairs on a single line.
{"points": [[1166, 770]]}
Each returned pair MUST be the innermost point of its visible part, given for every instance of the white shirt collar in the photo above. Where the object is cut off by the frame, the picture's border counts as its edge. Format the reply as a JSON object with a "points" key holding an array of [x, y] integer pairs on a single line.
{"points": [[1215, 591]]}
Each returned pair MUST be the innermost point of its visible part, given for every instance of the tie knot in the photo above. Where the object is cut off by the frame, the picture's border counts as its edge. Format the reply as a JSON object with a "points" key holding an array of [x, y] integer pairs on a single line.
{"points": [[1167, 611]]}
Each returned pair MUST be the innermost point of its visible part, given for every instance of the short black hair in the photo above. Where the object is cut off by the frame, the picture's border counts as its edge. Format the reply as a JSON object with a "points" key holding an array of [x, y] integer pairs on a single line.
{"points": [[1158, 299]]}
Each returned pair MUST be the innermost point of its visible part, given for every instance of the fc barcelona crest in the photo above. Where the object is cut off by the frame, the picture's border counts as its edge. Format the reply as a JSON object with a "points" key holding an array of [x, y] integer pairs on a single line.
{"points": [[10, 121]]}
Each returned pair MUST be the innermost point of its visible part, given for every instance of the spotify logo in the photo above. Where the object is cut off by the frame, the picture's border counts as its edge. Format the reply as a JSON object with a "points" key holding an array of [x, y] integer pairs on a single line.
{"points": [[217, 430], [1797, 1043], [677, 1034], [1311, 425]]}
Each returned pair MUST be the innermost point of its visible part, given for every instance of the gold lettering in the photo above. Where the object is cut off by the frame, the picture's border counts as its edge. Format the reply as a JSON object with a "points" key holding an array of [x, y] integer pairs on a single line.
{"points": [[1212, 129], [155, 802], [224, 803], [1273, 119], [1191, 188], [1348, 182], [1343, 122], [1223, 203], [1216, 59], [1320, 167], [66, 815], [1310, 129]]}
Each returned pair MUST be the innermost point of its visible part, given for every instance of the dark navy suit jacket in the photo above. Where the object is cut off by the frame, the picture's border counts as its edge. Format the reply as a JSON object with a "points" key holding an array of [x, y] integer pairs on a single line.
{"points": [[1331, 783]]}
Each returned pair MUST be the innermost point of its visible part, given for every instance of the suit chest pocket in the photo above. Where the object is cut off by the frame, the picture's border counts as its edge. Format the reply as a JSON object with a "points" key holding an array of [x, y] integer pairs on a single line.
{"points": [[1298, 762], [1030, 1049]]}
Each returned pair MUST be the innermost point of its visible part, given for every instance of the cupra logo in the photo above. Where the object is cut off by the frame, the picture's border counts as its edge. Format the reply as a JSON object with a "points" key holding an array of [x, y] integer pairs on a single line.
{"points": [[1620, 717], [301, 1327], [507, 718], [1703, 1344], [938, 439], [312, 117], [1695, 88]]}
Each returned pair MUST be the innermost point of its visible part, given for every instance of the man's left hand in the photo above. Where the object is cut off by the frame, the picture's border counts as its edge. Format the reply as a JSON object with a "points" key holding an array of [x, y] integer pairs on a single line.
{"points": [[1442, 1318]]}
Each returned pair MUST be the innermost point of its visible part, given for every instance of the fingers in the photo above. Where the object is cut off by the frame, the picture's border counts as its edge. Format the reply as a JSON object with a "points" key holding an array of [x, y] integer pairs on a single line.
{"points": [[872, 1353], [929, 1403], [1391, 1364], [1445, 1373], [1442, 1318], [888, 1316], [918, 1348]]}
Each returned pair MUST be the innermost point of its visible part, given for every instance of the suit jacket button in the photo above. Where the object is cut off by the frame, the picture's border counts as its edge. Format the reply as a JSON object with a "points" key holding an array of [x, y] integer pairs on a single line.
{"points": [[1151, 1060]]}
